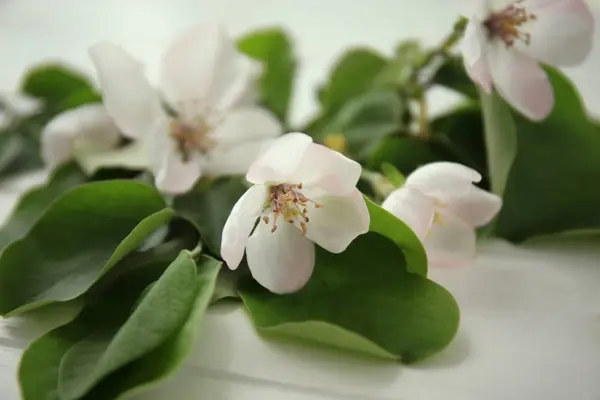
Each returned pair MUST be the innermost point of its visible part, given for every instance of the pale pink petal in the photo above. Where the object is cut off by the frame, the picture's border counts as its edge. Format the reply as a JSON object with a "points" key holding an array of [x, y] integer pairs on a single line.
{"points": [[521, 81], [328, 170], [475, 207], [246, 124], [450, 242], [204, 64], [239, 224], [127, 95], [280, 160], [281, 261], [338, 222], [173, 174], [562, 32], [234, 160], [436, 178], [87, 128], [478, 9], [412, 207], [474, 54]]}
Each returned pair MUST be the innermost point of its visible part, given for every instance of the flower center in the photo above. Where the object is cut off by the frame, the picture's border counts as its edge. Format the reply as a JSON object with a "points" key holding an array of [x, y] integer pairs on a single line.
{"points": [[286, 200], [508, 23], [191, 135]]}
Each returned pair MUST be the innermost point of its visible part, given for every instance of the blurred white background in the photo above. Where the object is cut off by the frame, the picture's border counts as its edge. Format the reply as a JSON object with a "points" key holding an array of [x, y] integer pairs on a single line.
{"points": [[531, 316]]}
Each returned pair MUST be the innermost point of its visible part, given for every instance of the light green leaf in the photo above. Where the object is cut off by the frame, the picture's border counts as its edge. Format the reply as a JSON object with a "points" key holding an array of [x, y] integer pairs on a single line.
{"points": [[168, 358], [78, 239], [133, 156], [161, 312], [399, 70], [35, 202], [361, 302], [393, 175], [365, 121], [274, 48], [207, 207], [552, 186], [352, 75]]}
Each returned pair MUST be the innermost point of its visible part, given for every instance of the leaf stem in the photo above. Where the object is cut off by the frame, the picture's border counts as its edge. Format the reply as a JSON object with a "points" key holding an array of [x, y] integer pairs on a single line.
{"points": [[196, 252]]}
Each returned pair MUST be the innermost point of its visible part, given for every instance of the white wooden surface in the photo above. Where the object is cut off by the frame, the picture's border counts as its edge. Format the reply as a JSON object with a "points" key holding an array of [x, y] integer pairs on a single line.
{"points": [[530, 315]]}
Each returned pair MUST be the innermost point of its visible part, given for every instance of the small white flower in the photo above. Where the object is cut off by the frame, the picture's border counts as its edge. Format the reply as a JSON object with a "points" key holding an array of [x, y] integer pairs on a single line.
{"points": [[505, 40], [209, 125], [77, 132], [442, 206], [303, 193]]}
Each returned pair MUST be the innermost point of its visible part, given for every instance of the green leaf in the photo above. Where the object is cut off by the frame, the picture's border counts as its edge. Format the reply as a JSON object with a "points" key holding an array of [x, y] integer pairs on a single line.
{"points": [[35, 202], [168, 358], [11, 145], [78, 239], [112, 311], [365, 121], [55, 83], [352, 75], [552, 185], [207, 207], [79, 98], [399, 70], [274, 48], [393, 175], [161, 312], [358, 302], [452, 75]]}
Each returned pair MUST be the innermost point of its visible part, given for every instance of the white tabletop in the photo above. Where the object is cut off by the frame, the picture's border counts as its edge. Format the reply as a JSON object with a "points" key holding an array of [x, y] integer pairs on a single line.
{"points": [[530, 324]]}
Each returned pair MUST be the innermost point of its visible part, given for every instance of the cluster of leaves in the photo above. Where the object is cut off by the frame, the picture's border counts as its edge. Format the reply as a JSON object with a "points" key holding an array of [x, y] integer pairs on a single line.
{"points": [[58, 89], [141, 273]]}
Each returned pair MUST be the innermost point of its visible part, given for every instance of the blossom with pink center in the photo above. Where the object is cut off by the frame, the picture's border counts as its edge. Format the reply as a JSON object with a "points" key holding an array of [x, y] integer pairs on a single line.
{"points": [[205, 120], [505, 41], [442, 206], [303, 193]]}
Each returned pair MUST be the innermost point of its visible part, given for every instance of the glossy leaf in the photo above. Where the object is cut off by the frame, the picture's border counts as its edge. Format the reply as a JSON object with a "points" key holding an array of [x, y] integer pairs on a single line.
{"points": [[161, 312], [167, 358], [35, 202], [78, 239], [352, 75], [552, 184], [365, 121], [207, 207], [274, 48], [358, 302]]}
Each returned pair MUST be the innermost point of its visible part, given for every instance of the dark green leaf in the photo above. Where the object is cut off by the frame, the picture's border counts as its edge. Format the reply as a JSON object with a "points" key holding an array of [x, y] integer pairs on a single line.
{"points": [[166, 359], [54, 84], [365, 121], [79, 98], [11, 145], [273, 48], [452, 75], [161, 312], [78, 239], [353, 74], [361, 303], [552, 185], [208, 207], [35, 202]]}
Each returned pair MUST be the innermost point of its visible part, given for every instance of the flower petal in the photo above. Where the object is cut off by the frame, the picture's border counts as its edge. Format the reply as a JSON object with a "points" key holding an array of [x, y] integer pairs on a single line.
{"points": [[203, 64], [280, 160], [567, 45], [173, 174], [474, 50], [126, 93], [476, 207], [521, 81], [85, 129], [234, 160], [239, 224], [434, 179], [450, 242], [412, 207], [282, 261], [328, 170], [338, 222], [246, 124]]}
